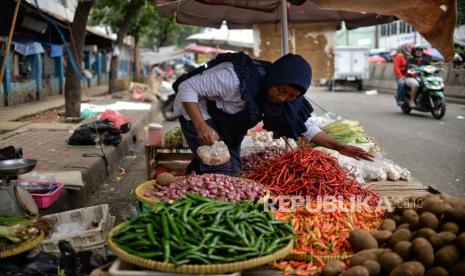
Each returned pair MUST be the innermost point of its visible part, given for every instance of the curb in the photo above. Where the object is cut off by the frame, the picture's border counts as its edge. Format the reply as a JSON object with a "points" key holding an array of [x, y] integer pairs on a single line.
{"points": [[95, 173]]}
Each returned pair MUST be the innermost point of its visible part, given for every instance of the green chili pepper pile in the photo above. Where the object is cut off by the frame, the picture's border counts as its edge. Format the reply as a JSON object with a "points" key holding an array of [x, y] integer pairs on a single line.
{"points": [[198, 230]]}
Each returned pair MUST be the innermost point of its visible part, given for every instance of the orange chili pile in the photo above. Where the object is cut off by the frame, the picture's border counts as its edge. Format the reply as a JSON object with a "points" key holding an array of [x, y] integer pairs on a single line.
{"points": [[325, 234], [299, 268], [308, 172]]}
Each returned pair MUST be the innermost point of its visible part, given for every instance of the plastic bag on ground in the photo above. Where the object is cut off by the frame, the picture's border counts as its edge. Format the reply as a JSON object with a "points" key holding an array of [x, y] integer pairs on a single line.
{"points": [[214, 155], [78, 263], [20, 265], [88, 134], [120, 121]]}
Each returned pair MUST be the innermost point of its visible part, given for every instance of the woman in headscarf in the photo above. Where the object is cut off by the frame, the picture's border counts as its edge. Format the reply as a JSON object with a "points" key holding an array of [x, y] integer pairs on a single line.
{"points": [[232, 93], [400, 70]]}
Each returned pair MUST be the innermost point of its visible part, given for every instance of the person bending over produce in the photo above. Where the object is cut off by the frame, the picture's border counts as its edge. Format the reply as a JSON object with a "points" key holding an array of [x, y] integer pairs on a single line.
{"points": [[232, 93]]}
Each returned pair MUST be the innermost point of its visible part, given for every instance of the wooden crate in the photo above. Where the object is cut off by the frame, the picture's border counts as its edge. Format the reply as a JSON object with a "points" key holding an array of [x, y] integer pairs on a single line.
{"points": [[398, 190], [155, 156]]}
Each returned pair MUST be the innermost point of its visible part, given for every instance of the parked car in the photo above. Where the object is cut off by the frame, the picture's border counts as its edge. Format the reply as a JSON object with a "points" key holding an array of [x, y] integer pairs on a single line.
{"points": [[350, 66], [384, 53]]}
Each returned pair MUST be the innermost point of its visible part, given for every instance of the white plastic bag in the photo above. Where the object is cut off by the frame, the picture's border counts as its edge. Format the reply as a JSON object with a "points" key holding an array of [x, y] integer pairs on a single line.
{"points": [[261, 140], [214, 155]]}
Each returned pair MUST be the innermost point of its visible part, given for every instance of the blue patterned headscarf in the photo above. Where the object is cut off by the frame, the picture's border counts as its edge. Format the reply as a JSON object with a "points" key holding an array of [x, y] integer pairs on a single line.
{"points": [[288, 118], [290, 69], [256, 78]]}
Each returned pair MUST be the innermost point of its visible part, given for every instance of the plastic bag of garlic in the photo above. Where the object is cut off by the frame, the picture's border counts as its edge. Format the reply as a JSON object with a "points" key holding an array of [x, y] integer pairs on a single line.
{"points": [[258, 141]]}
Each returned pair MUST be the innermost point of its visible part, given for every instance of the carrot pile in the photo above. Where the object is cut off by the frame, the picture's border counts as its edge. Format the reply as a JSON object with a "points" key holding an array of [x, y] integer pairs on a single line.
{"points": [[308, 172], [325, 234]]}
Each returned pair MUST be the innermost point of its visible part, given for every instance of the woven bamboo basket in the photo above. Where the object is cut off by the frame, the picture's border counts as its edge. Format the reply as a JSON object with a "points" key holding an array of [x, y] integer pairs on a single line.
{"points": [[303, 257], [196, 269], [149, 186], [22, 247]]}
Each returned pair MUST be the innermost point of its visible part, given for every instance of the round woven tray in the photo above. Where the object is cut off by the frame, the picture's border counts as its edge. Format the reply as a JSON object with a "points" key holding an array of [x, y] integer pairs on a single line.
{"points": [[194, 269], [149, 186], [22, 247]]}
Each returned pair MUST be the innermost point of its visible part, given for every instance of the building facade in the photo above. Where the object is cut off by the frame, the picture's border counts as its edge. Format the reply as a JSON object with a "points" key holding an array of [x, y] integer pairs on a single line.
{"points": [[392, 35], [314, 41], [40, 53], [387, 36]]}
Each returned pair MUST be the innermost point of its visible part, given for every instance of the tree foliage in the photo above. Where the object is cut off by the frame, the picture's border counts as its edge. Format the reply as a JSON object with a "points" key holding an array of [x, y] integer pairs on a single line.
{"points": [[153, 28], [110, 13], [460, 12], [161, 31]]}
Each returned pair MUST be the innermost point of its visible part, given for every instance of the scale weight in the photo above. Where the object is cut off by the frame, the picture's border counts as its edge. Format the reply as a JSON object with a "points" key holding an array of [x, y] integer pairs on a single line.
{"points": [[14, 200]]}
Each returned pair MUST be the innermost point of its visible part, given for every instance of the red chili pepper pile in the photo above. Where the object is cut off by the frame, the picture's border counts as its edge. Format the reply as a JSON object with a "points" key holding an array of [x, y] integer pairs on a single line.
{"points": [[308, 172]]}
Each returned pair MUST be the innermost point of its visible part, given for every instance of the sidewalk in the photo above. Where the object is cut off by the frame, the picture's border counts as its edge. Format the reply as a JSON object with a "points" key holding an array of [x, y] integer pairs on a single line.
{"points": [[11, 113], [48, 144]]}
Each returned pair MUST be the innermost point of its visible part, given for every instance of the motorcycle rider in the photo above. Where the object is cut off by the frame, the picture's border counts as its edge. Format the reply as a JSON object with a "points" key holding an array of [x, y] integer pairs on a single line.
{"points": [[417, 59], [400, 70]]}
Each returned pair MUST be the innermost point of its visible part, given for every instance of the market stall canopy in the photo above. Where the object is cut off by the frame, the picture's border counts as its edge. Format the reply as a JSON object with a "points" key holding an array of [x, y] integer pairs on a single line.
{"points": [[150, 57], [242, 38], [434, 19], [199, 49], [244, 14]]}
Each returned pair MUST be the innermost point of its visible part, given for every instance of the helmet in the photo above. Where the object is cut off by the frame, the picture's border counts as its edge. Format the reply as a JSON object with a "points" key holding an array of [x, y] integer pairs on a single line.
{"points": [[415, 49]]}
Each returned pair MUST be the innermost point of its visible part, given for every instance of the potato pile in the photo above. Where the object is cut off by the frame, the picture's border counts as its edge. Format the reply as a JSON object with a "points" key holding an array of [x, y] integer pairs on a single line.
{"points": [[422, 237]]}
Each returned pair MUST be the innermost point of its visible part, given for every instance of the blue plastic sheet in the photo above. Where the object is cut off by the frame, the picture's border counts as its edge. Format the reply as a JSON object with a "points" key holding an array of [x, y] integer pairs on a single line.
{"points": [[28, 48], [56, 50]]}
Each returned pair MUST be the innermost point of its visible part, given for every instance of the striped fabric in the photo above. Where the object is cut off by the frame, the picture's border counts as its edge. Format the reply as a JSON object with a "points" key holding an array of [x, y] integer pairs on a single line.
{"points": [[219, 84]]}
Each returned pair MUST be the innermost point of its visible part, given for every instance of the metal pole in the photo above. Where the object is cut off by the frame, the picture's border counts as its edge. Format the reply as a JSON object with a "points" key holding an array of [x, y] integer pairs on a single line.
{"points": [[7, 50], [347, 36], [284, 30]]}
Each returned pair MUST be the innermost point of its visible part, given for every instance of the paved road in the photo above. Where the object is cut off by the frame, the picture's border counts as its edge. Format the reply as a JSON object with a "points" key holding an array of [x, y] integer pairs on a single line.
{"points": [[433, 150]]}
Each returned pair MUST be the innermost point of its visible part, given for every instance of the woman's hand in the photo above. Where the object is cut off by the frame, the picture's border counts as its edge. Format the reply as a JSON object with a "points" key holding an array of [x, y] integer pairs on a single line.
{"points": [[207, 134], [356, 153], [324, 140]]}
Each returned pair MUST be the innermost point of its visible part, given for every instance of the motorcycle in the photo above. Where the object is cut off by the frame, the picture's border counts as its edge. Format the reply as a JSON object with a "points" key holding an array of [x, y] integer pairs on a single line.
{"points": [[166, 96], [430, 96]]}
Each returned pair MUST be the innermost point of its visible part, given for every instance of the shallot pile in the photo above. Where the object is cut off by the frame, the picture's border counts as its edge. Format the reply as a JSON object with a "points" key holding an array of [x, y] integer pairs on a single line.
{"points": [[216, 186], [251, 161]]}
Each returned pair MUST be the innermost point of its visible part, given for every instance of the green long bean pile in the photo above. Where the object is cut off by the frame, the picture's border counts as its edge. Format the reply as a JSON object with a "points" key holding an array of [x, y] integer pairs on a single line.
{"points": [[198, 230]]}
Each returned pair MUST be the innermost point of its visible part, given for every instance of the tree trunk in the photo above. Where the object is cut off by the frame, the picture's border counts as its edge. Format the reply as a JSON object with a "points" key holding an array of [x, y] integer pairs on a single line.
{"points": [[134, 7], [137, 75], [163, 36], [72, 82]]}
